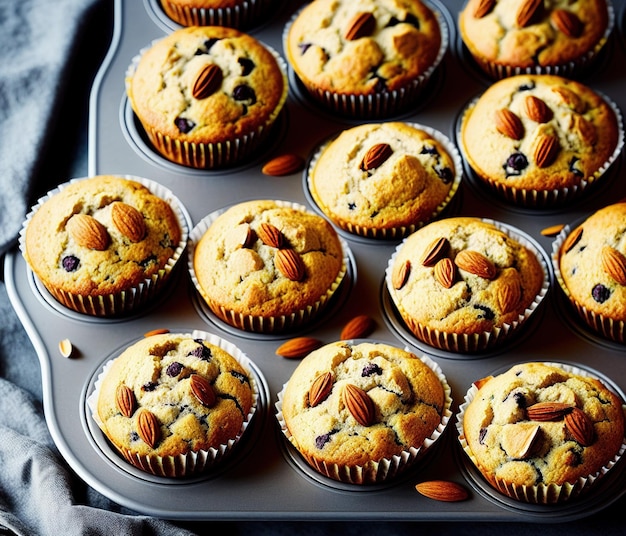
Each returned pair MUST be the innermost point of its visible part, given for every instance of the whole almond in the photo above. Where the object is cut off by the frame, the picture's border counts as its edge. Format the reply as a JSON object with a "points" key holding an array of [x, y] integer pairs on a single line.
{"points": [[358, 327], [482, 8], [400, 274], [445, 272], [518, 441], [290, 264], [537, 109], [298, 347], [125, 400], [475, 263], [202, 390], [320, 389], [284, 164], [270, 235], [510, 293], [361, 25], [156, 331], [580, 426], [567, 22], [586, 130], [436, 250], [88, 232], [526, 12], [614, 264], [552, 230], [443, 490], [148, 427], [546, 150], [359, 404], [548, 411], [207, 82], [572, 239], [128, 221], [509, 124], [376, 156]]}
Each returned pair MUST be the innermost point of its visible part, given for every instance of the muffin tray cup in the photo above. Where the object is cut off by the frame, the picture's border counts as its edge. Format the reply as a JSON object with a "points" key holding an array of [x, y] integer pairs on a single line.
{"points": [[264, 479]]}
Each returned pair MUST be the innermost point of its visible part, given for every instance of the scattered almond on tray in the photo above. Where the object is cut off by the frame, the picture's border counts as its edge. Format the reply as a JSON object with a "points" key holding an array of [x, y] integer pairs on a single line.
{"points": [[442, 490]]}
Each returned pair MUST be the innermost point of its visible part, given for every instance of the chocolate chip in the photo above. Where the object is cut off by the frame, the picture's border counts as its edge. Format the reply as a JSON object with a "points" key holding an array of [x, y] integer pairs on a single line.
{"points": [[207, 46], [201, 352], [184, 125], [351, 206], [244, 93], [321, 440], [174, 369], [241, 377], [429, 149], [487, 313], [515, 164], [70, 263], [526, 87], [573, 168], [150, 386], [520, 399], [600, 293], [247, 65], [370, 369], [445, 174], [481, 435], [304, 47]]}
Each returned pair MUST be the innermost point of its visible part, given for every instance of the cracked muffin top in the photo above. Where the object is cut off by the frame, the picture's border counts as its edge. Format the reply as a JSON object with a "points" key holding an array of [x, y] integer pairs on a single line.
{"points": [[533, 34], [350, 404], [364, 47], [206, 85], [538, 423], [169, 394]]}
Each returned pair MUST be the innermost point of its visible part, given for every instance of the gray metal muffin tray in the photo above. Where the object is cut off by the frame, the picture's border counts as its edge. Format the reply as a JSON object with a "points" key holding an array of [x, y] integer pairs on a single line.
{"points": [[266, 479]]}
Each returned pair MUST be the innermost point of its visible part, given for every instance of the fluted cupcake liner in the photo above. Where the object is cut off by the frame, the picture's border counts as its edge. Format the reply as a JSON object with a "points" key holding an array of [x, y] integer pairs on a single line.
{"points": [[541, 493], [192, 462], [130, 299], [241, 16], [376, 471]]}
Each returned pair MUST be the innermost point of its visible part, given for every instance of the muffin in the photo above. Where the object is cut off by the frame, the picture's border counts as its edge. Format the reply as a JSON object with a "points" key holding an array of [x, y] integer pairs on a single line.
{"points": [[540, 140], [465, 284], [542, 432], [362, 412], [207, 96], [511, 37], [590, 266], [240, 14], [266, 266], [175, 404], [384, 180], [104, 245], [365, 59]]}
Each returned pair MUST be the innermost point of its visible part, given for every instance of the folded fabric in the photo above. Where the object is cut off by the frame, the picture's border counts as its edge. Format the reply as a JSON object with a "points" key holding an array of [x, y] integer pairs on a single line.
{"points": [[37, 39]]}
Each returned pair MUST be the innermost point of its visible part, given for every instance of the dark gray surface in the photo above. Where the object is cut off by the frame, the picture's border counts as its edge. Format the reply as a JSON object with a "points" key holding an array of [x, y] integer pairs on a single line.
{"points": [[26, 371]]}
